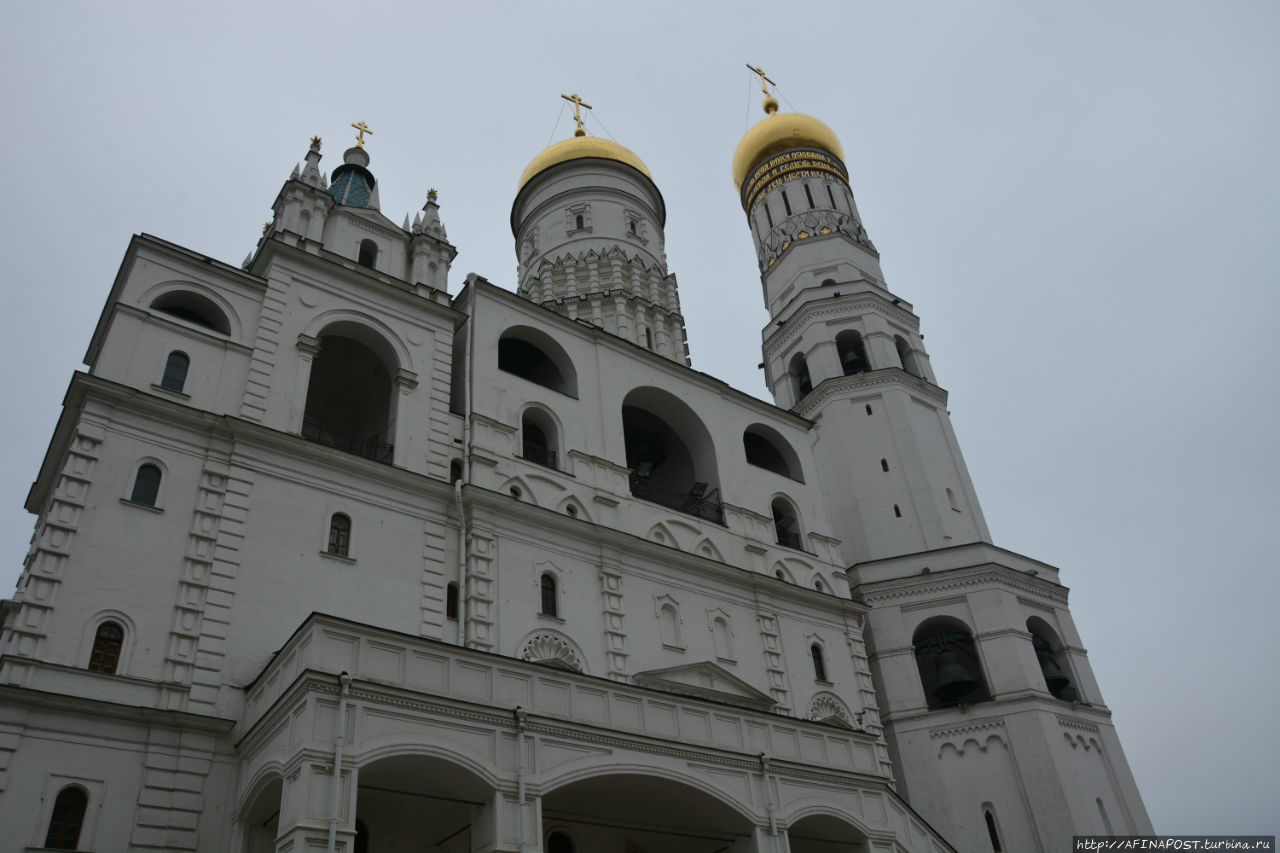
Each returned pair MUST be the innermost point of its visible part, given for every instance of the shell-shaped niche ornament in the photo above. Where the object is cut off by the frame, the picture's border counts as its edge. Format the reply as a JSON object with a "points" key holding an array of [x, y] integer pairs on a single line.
{"points": [[827, 708], [550, 649]]}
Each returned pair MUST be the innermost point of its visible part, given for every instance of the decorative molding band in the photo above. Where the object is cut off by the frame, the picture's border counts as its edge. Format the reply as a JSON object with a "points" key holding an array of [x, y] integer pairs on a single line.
{"points": [[980, 724]]}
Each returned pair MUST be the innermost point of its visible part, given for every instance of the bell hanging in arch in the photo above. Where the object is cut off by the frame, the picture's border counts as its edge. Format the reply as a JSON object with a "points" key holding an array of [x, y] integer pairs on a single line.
{"points": [[952, 682], [1054, 678]]}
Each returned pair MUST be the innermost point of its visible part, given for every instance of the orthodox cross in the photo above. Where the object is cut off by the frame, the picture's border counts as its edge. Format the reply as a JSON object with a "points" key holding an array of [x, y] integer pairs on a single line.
{"points": [[577, 112], [363, 129], [763, 79], [315, 140]]}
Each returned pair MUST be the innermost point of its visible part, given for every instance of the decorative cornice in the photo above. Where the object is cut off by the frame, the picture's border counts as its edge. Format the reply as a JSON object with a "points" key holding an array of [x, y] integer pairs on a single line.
{"points": [[1077, 724], [842, 386], [845, 307], [930, 585]]}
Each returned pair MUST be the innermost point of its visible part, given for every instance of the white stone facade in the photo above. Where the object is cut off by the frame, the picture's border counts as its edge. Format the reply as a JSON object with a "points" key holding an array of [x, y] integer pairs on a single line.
{"points": [[326, 558]]}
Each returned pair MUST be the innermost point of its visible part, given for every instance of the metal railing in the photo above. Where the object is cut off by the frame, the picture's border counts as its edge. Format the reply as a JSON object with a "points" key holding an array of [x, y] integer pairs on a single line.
{"points": [[539, 454], [703, 506], [378, 451]]}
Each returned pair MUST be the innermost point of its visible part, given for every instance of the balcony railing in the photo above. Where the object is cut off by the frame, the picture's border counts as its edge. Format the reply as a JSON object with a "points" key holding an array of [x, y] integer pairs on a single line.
{"points": [[790, 539], [692, 502], [378, 451], [539, 454]]}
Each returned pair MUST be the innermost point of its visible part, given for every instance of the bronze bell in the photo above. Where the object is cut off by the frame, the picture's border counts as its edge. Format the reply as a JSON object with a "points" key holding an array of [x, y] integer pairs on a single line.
{"points": [[1054, 678], [952, 681]]}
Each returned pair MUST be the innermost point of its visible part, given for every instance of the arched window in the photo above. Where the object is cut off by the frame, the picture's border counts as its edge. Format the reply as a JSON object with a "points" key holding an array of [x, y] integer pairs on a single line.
{"points": [[350, 393], [451, 601], [1053, 660], [947, 659], [671, 454], [884, 464], [853, 353], [559, 842], [107, 643], [67, 819], [547, 587], [786, 524], [175, 371], [535, 356], [193, 308], [146, 485], [669, 626], [455, 471], [722, 638], [368, 256], [765, 448], [340, 535], [906, 356], [819, 665], [801, 384], [538, 437]]}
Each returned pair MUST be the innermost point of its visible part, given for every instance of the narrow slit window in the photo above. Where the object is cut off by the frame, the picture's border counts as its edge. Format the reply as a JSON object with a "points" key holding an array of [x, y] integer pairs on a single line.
{"points": [[767, 214], [786, 203], [897, 511], [868, 408], [991, 831], [808, 194], [451, 601], [819, 665], [884, 464], [547, 587], [831, 196], [578, 222]]}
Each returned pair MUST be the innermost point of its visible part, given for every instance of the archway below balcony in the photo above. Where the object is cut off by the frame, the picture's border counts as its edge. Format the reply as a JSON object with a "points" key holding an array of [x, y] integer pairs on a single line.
{"points": [[627, 811], [418, 802], [823, 833], [350, 398], [260, 819], [671, 454]]}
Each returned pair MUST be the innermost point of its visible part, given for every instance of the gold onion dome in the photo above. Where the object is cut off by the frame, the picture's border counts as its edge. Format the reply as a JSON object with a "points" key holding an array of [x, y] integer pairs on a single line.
{"points": [[578, 148], [778, 132]]}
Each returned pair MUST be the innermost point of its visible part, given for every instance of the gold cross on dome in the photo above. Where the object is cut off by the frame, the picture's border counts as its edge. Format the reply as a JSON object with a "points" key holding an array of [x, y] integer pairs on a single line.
{"points": [[363, 129], [763, 78], [577, 112]]}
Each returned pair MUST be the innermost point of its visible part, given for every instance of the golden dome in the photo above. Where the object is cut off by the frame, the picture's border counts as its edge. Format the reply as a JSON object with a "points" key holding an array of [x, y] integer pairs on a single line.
{"points": [[577, 148], [778, 132]]}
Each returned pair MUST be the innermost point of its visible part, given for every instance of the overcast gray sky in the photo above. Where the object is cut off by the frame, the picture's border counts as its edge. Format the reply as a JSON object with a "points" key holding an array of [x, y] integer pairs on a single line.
{"points": [[1081, 200]]}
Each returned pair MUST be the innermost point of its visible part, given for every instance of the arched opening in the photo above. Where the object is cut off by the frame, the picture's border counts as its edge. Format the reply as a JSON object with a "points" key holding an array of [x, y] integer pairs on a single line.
{"points": [[349, 397], [630, 811], [786, 524], [538, 437], [368, 256], [672, 457], [906, 356], [107, 643], [1052, 657], [67, 819], [765, 448], [146, 485], [175, 371], [669, 626], [798, 370], [533, 355], [559, 841], [339, 535], [549, 600], [193, 308], [824, 834], [414, 802], [853, 353], [950, 669], [261, 818]]}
